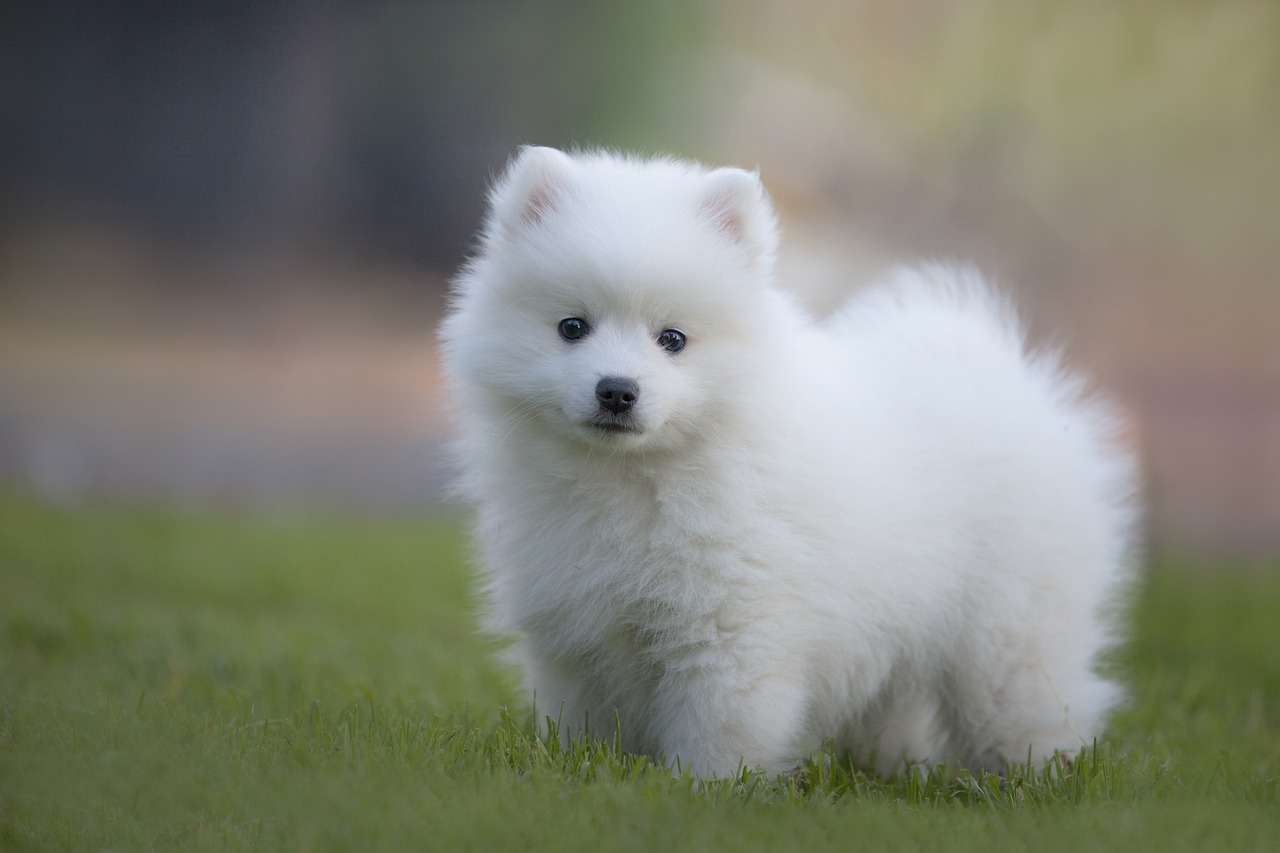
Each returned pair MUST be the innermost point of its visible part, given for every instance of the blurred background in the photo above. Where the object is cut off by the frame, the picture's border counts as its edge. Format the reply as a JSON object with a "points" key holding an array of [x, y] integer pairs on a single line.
{"points": [[226, 230]]}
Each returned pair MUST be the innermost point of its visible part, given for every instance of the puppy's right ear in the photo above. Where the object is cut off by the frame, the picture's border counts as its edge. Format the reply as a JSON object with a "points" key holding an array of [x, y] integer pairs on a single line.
{"points": [[737, 207], [534, 183]]}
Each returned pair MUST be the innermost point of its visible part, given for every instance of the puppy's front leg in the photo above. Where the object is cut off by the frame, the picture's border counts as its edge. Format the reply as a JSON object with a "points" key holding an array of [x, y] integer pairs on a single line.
{"points": [[715, 719]]}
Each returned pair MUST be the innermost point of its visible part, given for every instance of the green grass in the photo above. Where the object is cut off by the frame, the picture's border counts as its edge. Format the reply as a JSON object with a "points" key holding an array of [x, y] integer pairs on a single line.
{"points": [[226, 684]]}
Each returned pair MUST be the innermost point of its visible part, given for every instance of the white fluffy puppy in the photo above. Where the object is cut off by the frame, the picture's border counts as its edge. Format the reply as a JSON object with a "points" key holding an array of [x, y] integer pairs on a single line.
{"points": [[740, 532]]}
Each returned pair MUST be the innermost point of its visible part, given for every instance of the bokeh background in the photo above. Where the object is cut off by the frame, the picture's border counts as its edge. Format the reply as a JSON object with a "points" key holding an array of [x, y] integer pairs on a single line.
{"points": [[226, 230]]}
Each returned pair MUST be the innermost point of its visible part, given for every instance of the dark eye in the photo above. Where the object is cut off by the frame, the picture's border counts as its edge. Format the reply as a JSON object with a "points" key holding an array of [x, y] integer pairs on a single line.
{"points": [[671, 340], [573, 328]]}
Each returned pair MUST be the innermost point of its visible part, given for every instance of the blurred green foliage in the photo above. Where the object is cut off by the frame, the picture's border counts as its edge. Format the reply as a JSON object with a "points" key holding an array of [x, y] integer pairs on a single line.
{"points": [[1143, 114]]}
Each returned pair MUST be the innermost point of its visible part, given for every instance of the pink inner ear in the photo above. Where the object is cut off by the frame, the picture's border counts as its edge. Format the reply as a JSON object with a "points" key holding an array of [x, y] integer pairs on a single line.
{"points": [[724, 214], [540, 203]]}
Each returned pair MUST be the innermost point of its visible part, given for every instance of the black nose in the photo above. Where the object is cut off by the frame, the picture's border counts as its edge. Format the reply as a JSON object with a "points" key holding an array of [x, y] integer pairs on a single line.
{"points": [[617, 394]]}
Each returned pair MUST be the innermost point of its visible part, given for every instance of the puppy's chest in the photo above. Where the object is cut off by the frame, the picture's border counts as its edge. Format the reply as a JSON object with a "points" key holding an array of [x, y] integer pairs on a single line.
{"points": [[640, 576], [630, 569]]}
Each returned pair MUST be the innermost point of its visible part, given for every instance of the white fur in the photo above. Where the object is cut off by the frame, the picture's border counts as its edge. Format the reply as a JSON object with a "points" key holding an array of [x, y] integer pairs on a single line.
{"points": [[897, 528]]}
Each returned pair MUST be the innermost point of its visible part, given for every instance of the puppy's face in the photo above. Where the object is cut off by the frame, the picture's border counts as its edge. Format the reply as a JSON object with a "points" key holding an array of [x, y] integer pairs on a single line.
{"points": [[619, 356], [612, 301]]}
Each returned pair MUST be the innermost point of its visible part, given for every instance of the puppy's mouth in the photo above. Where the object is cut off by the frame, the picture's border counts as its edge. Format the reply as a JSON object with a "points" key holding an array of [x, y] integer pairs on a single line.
{"points": [[615, 426]]}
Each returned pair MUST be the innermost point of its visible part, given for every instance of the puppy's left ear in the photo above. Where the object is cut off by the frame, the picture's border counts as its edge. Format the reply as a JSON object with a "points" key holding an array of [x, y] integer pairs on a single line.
{"points": [[534, 185], [736, 205]]}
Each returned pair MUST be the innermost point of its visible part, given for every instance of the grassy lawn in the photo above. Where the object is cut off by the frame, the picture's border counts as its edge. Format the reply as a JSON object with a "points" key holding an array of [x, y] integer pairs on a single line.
{"points": [[227, 684]]}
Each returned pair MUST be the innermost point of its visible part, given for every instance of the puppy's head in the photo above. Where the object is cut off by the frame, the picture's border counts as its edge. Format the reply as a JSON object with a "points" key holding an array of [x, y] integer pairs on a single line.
{"points": [[614, 301]]}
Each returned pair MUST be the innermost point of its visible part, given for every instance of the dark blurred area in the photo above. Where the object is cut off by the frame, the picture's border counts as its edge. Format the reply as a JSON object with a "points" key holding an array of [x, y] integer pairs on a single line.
{"points": [[257, 127], [226, 230]]}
